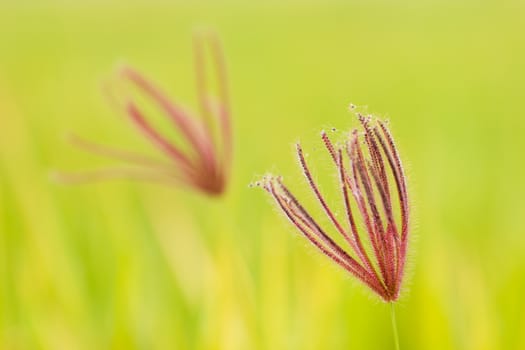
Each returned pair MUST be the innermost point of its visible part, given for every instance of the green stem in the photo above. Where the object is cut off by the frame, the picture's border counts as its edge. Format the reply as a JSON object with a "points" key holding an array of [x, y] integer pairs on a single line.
{"points": [[394, 325]]}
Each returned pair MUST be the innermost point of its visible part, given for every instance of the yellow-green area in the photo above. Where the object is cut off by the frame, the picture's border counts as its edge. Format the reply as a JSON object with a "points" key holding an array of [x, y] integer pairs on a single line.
{"points": [[124, 265]]}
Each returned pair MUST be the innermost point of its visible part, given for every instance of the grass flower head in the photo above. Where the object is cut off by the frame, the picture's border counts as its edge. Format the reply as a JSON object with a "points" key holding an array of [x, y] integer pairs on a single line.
{"points": [[374, 195], [204, 163]]}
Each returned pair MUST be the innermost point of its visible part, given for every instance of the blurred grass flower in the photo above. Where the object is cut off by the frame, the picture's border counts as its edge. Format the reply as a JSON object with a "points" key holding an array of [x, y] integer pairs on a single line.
{"points": [[204, 162], [370, 178]]}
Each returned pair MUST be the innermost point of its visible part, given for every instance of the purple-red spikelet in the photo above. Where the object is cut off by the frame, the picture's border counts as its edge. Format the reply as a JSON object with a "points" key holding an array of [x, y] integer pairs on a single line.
{"points": [[375, 200], [205, 164]]}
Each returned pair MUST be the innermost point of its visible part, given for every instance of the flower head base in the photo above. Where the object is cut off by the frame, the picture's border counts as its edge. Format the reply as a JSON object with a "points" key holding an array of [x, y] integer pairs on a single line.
{"points": [[374, 195], [206, 163]]}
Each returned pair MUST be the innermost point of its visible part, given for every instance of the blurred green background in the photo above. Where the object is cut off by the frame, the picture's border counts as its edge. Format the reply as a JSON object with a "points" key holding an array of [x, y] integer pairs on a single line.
{"points": [[123, 265]]}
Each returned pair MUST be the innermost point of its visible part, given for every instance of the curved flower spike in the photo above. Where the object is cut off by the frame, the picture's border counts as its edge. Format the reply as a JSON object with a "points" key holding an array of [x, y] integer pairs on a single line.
{"points": [[206, 164], [375, 200]]}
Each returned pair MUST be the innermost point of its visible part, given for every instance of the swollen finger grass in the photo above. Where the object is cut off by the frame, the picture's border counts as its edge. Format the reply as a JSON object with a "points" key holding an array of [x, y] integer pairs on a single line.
{"points": [[205, 165], [373, 190]]}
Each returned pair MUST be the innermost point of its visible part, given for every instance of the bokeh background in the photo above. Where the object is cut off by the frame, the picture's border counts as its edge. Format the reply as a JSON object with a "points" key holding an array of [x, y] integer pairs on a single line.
{"points": [[123, 265]]}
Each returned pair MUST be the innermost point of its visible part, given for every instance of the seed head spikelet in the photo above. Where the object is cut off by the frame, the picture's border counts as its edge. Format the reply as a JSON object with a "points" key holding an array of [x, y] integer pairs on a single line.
{"points": [[206, 163], [374, 196]]}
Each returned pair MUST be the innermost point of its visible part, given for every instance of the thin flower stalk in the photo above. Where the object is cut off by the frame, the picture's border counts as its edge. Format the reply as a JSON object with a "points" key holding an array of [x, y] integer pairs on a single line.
{"points": [[204, 164], [371, 182]]}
